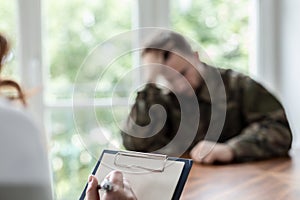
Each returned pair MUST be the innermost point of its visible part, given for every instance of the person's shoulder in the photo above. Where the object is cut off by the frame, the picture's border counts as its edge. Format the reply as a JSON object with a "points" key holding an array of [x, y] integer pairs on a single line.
{"points": [[234, 79], [248, 86], [11, 114], [10, 109], [23, 154], [230, 73], [226, 73]]}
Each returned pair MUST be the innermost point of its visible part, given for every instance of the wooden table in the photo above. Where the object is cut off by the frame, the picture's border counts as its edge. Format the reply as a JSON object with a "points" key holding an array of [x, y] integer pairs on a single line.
{"points": [[264, 180]]}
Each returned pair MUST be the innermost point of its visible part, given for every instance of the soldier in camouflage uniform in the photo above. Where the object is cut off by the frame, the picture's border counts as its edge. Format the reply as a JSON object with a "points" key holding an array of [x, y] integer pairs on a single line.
{"points": [[255, 125]]}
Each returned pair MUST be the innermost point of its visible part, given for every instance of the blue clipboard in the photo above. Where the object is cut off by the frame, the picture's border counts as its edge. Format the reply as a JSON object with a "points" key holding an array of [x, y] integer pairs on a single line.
{"points": [[187, 164]]}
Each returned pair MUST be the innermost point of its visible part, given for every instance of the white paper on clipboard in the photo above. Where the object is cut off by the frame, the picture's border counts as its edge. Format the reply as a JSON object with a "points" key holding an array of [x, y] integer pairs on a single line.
{"points": [[149, 178]]}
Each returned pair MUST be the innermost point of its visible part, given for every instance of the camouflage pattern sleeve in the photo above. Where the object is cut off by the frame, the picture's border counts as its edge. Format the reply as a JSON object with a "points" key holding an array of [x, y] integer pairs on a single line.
{"points": [[147, 127], [267, 133]]}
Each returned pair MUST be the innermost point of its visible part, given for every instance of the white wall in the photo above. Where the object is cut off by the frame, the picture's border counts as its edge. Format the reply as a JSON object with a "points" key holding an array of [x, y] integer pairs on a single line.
{"points": [[289, 43], [277, 63]]}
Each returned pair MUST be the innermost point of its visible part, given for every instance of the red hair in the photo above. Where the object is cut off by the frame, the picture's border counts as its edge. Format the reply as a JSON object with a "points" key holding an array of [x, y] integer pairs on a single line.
{"points": [[7, 83]]}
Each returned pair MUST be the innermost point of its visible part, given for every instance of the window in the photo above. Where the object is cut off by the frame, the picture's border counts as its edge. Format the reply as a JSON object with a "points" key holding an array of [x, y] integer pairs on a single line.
{"points": [[71, 29], [220, 27]]}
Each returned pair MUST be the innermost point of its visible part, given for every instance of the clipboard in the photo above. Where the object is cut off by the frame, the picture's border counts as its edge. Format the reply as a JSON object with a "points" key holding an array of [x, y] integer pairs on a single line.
{"points": [[149, 174]]}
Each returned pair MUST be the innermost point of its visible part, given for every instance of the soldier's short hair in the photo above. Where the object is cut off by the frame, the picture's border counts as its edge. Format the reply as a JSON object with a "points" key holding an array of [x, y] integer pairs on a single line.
{"points": [[167, 41]]}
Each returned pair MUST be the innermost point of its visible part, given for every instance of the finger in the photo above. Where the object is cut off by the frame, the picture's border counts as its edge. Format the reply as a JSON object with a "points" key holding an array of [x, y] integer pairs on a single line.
{"points": [[128, 190], [196, 153], [206, 148], [116, 177], [209, 159], [126, 185], [92, 190], [195, 150], [192, 154], [198, 157]]}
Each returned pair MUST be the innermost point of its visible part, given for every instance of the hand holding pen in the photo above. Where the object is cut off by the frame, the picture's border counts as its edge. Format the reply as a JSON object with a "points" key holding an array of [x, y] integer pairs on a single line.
{"points": [[105, 185], [115, 186]]}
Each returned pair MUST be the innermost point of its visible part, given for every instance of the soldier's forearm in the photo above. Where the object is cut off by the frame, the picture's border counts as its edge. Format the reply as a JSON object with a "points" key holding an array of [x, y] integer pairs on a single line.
{"points": [[260, 141]]}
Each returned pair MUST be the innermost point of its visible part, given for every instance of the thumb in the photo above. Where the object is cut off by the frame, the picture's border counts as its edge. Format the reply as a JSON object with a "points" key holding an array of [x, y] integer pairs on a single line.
{"points": [[92, 190]]}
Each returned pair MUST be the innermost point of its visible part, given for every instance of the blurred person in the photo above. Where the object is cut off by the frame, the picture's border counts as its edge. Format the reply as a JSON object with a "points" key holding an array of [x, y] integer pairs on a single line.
{"points": [[121, 189], [255, 126], [24, 168]]}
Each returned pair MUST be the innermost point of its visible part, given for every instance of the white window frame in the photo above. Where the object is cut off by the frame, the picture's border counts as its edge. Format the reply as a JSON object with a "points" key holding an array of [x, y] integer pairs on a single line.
{"points": [[30, 53], [265, 67]]}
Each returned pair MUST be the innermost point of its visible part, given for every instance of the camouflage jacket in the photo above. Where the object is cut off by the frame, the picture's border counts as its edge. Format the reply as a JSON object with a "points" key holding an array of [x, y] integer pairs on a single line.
{"points": [[254, 125]]}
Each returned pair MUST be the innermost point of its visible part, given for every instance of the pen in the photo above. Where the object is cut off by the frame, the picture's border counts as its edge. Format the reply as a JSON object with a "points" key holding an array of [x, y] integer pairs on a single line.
{"points": [[105, 185]]}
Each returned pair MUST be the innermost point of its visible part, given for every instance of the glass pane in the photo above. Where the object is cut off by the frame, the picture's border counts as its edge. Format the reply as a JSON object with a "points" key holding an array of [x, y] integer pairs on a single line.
{"points": [[75, 148], [221, 28], [8, 27], [105, 79], [69, 160], [74, 28]]}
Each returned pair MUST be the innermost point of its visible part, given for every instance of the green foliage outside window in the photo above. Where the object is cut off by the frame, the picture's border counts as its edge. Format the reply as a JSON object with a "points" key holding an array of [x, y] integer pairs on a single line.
{"points": [[73, 29], [220, 27], [9, 29]]}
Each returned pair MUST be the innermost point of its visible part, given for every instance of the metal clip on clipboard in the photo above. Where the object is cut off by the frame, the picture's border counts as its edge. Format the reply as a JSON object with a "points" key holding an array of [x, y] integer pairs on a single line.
{"points": [[136, 160]]}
